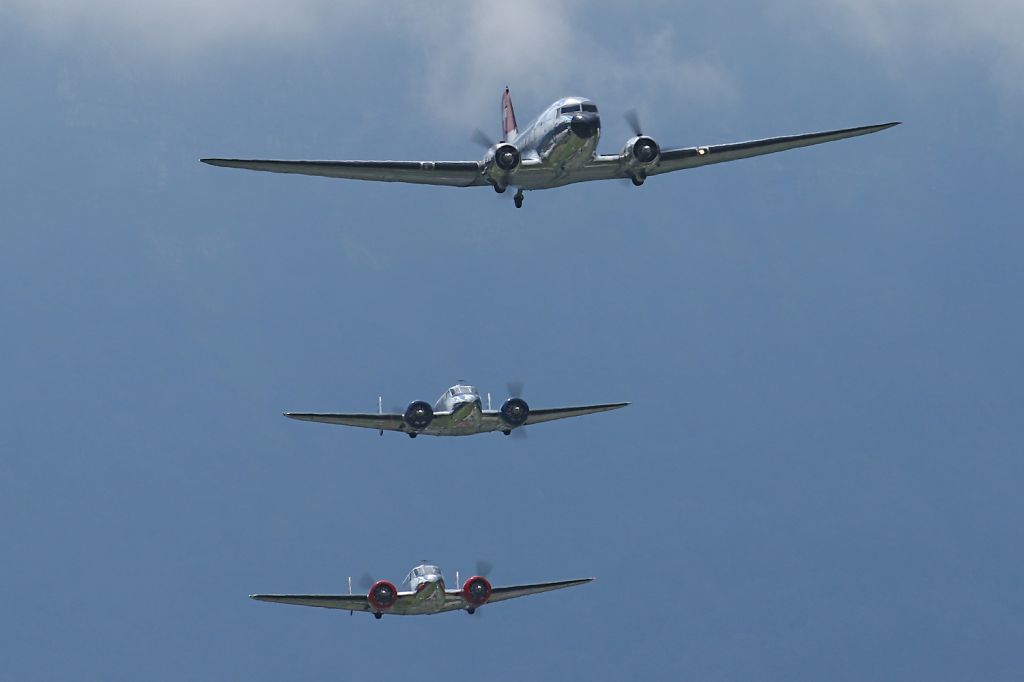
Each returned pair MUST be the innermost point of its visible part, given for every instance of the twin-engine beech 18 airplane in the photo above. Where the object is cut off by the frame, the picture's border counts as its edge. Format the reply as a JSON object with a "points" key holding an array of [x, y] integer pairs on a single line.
{"points": [[426, 595], [458, 412], [558, 148]]}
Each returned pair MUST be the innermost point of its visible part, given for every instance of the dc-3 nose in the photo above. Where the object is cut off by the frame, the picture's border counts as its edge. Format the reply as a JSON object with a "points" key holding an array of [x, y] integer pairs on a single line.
{"points": [[464, 407], [585, 125]]}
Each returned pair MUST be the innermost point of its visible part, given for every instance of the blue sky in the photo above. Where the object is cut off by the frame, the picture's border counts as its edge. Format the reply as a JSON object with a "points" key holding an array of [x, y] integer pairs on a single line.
{"points": [[819, 475]]}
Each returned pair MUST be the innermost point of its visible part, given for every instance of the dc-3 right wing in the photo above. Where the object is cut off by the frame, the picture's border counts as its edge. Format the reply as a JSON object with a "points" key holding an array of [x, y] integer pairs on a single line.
{"points": [[346, 602], [366, 420], [451, 173]]}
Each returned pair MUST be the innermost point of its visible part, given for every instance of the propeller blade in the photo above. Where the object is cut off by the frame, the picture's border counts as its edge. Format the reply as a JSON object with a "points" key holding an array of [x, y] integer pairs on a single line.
{"points": [[482, 139], [366, 581], [634, 121], [484, 567], [515, 389]]}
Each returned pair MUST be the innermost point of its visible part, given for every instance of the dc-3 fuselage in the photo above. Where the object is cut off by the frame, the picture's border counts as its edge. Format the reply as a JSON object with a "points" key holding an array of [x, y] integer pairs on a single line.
{"points": [[459, 411], [558, 148], [427, 594]]}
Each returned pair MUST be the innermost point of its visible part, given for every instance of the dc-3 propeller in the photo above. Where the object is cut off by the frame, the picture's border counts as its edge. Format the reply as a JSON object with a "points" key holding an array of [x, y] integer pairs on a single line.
{"points": [[515, 390]]}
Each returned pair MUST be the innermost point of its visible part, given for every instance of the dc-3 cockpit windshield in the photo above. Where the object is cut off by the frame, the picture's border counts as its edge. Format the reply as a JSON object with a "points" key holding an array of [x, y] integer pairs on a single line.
{"points": [[573, 108], [422, 572], [461, 390]]}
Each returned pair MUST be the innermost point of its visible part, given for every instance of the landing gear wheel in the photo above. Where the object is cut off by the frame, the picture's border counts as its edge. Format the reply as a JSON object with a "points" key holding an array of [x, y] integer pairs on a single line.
{"points": [[507, 432], [519, 198], [500, 189], [638, 180], [413, 435], [471, 610], [378, 616]]}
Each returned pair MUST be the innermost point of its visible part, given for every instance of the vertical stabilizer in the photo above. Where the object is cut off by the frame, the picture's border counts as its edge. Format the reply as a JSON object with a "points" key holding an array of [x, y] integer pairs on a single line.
{"points": [[508, 117]]}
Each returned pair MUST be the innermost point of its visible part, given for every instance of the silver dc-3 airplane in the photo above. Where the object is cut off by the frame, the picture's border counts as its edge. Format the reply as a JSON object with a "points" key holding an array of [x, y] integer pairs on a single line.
{"points": [[458, 412], [558, 148], [426, 595]]}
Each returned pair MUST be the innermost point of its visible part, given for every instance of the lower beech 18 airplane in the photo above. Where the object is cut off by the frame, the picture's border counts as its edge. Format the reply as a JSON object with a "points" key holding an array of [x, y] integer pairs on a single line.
{"points": [[426, 595], [458, 412], [558, 148]]}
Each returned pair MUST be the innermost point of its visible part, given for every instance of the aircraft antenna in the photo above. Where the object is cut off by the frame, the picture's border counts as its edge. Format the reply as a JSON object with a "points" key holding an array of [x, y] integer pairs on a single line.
{"points": [[350, 584], [456, 577], [488, 401], [380, 410]]}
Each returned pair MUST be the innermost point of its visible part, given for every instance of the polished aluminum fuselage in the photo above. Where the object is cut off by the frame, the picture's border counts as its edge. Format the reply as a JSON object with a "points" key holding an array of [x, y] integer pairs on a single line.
{"points": [[466, 410], [553, 142], [427, 584]]}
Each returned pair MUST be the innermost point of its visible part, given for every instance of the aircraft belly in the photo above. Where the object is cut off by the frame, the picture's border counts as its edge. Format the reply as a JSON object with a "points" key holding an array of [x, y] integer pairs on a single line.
{"points": [[464, 426], [563, 155], [430, 599]]}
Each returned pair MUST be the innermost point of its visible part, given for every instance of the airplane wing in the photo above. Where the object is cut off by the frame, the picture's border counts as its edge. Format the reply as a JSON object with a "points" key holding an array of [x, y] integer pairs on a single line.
{"points": [[368, 420], [454, 600], [346, 602], [692, 157], [608, 166], [451, 173], [513, 591], [538, 416]]}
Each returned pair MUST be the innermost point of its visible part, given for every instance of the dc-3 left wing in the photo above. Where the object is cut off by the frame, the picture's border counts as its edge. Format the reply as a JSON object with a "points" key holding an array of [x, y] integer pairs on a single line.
{"points": [[455, 601], [513, 591], [692, 157], [538, 416], [450, 173], [606, 167]]}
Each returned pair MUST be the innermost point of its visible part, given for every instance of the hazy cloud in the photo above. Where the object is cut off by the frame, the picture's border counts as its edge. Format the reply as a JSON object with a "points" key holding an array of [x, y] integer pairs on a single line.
{"points": [[911, 34], [463, 48]]}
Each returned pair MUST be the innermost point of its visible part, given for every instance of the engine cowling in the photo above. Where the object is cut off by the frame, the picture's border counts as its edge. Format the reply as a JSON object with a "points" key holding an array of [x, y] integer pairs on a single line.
{"points": [[476, 591], [515, 412], [640, 154], [502, 160], [418, 415], [383, 595]]}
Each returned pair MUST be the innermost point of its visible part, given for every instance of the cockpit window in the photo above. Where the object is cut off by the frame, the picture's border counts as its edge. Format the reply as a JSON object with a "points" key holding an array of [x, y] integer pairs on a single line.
{"points": [[463, 390], [572, 108], [421, 571], [590, 107]]}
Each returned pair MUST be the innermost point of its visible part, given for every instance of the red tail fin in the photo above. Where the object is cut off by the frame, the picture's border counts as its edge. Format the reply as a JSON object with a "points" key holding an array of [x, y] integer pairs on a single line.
{"points": [[508, 117]]}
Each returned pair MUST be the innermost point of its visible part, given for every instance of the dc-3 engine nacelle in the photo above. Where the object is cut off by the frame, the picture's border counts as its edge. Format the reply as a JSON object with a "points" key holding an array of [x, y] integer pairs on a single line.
{"points": [[515, 412], [382, 596], [476, 591], [418, 415], [640, 155], [501, 161]]}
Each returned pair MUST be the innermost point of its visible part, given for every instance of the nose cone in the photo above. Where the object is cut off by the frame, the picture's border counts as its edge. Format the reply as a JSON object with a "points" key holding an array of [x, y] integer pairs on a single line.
{"points": [[585, 125], [464, 407]]}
